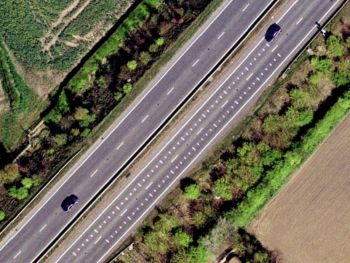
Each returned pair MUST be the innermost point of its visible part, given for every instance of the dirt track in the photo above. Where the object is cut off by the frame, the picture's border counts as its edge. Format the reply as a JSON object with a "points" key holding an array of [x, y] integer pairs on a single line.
{"points": [[309, 220]]}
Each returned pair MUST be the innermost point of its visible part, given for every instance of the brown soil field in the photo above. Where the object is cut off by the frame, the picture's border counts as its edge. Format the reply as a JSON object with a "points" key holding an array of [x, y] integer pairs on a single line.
{"points": [[309, 219]]}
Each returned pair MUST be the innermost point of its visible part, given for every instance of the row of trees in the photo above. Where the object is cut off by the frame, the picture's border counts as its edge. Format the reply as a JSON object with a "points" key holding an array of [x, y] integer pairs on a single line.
{"points": [[284, 132]]}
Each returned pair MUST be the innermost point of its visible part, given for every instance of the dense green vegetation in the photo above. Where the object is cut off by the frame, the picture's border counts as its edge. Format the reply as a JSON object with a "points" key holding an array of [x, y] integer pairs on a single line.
{"points": [[284, 131], [33, 24], [21, 99], [101, 83]]}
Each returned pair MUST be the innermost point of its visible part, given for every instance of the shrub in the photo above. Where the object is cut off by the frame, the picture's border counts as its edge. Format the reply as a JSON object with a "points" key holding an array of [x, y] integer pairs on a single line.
{"points": [[2, 215], [27, 182], [145, 57], [132, 65], [192, 192], [60, 139], [127, 88], [153, 48], [82, 115], [18, 193], [341, 78], [322, 65], [160, 41], [182, 239], [334, 46], [118, 96], [315, 78], [222, 189], [9, 174]]}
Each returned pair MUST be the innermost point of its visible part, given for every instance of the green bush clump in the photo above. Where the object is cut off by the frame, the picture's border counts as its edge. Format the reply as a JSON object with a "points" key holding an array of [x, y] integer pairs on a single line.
{"points": [[127, 88], [335, 47], [132, 65], [192, 192], [2, 215]]}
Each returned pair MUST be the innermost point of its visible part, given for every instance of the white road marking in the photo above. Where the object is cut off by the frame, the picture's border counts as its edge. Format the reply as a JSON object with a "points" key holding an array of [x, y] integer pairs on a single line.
{"points": [[145, 118], [201, 129], [74, 254], [249, 76], [223, 105], [95, 230], [18, 253], [107, 241], [278, 54], [43, 227], [148, 186], [174, 158], [98, 239], [92, 175], [195, 63], [170, 91], [267, 44], [301, 19], [245, 8], [120, 145], [274, 48], [221, 35]]}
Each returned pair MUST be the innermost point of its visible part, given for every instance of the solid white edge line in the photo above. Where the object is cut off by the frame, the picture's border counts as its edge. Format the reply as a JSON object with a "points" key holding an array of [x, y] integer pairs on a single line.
{"points": [[253, 95]]}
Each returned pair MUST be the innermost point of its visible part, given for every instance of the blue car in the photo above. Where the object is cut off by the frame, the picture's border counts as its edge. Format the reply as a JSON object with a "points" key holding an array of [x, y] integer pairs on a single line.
{"points": [[272, 32], [68, 202]]}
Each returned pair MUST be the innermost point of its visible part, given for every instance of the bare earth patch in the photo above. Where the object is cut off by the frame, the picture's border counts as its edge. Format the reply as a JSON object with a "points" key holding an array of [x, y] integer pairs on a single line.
{"points": [[309, 219]]}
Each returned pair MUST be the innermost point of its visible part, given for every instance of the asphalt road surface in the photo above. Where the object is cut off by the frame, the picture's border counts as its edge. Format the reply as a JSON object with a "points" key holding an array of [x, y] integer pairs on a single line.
{"points": [[265, 61], [134, 130]]}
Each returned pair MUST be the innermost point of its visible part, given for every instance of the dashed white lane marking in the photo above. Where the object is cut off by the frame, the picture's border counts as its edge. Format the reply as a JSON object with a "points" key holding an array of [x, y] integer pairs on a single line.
{"points": [[128, 217], [174, 158], [223, 105], [249, 76], [149, 185], [194, 149], [195, 63], [95, 230], [98, 239], [123, 212], [301, 19], [120, 145], [201, 129], [257, 79], [145, 118], [74, 254], [267, 45], [236, 102], [245, 8], [221, 35], [274, 48], [278, 54], [18, 253], [170, 91], [107, 241], [92, 175], [43, 227], [139, 184]]}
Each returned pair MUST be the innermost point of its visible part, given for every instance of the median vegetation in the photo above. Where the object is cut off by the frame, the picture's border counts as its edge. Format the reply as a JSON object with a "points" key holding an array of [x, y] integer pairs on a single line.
{"points": [[102, 83], [204, 219]]}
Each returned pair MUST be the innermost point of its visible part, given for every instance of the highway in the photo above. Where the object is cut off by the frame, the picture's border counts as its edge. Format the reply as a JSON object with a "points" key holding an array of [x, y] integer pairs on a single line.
{"points": [[134, 130], [264, 62]]}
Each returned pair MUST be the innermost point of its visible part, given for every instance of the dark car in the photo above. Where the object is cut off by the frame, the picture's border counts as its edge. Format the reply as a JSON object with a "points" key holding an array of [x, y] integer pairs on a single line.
{"points": [[272, 32], [68, 202]]}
